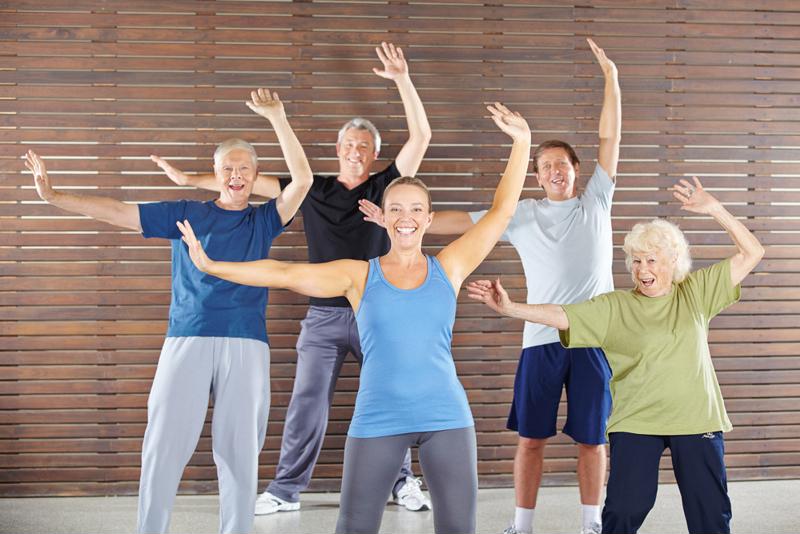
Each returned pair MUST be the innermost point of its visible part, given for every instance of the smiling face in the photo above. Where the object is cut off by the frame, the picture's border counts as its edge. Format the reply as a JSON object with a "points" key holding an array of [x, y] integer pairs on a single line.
{"points": [[235, 173], [653, 271], [556, 174], [406, 215], [356, 152]]}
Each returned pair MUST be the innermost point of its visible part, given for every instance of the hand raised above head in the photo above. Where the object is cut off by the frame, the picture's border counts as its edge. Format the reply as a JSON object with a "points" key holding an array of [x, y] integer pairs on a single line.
{"points": [[693, 197], [266, 104], [511, 122], [608, 66], [394, 64]]}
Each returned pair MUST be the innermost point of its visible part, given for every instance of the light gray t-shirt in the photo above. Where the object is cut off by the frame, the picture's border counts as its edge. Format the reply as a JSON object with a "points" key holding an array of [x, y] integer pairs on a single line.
{"points": [[565, 248]]}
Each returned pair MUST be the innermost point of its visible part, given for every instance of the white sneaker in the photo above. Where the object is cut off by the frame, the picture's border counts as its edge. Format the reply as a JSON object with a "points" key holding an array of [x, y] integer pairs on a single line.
{"points": [[410, 495], [268, 503], [594, 528], [512, 529]]}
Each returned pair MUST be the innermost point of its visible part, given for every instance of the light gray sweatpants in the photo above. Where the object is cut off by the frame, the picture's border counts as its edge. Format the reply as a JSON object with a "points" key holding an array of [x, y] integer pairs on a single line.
{"points": [[235, 372], [449, 460]]}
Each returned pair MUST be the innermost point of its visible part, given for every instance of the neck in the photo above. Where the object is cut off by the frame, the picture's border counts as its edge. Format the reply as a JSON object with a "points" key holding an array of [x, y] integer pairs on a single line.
{"points": [[351, 181], [406, 259], [230, 204]]}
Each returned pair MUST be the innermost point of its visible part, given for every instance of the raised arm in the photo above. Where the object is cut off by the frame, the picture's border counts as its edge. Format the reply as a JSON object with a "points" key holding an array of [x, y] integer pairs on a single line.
{"points": [[264, 186], [463, 255], [494, 295], [103, 209], [611, 116], [697, 200], [332, 279], [270, 107], [419, 131]]}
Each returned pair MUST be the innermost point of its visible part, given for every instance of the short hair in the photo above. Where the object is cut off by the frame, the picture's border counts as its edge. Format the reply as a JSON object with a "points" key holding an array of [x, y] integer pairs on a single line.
{"points": [[234, 143], [360, 123], [659, 234], [554, 143], [407, 180]]}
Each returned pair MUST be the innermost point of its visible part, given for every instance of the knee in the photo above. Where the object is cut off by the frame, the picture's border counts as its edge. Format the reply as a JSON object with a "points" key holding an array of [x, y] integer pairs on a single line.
{"points": [[531, 445], [591, 451]]}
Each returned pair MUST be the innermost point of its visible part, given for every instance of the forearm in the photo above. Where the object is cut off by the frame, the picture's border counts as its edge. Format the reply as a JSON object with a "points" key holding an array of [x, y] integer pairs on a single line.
{"points": [[103, 209], [416, 118], [546, 314], [610, 129], [295, 156], [450, 222], [746, 243], [259, 273], [510, 186]]}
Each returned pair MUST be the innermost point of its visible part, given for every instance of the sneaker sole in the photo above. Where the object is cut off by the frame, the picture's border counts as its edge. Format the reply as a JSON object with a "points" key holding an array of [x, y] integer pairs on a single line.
{"points": [[287, 507]]}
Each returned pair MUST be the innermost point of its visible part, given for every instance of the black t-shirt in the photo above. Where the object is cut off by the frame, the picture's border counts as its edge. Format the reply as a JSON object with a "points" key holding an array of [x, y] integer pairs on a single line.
{"points": [[336, 229]]}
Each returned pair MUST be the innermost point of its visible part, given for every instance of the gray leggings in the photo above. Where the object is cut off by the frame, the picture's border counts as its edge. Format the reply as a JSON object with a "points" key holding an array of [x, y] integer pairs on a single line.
{"points": [[449, 461]]}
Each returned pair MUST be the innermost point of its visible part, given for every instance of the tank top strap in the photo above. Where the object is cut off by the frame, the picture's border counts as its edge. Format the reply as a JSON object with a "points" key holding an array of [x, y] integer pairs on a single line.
{"points": [[438, 271]]}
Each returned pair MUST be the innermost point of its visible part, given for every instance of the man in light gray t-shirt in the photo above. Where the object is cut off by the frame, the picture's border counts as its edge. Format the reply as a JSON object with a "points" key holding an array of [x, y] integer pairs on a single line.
{"points": [[564, 242]]}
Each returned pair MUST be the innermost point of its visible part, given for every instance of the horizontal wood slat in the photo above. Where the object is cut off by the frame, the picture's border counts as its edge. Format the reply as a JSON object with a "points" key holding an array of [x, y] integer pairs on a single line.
{"points": [[710, 88]]}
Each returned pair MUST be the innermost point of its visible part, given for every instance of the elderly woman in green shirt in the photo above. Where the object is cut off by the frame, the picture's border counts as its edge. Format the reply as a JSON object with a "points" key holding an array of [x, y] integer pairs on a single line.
{"points": [[664, 389]]}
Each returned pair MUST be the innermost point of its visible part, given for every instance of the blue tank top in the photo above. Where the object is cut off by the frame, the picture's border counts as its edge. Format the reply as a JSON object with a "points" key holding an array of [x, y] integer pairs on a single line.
{"points": [[408, 378]]}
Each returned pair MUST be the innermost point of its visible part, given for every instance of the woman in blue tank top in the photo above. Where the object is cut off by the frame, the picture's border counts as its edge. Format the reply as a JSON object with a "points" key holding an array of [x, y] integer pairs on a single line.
{"points": [[405, 304]]}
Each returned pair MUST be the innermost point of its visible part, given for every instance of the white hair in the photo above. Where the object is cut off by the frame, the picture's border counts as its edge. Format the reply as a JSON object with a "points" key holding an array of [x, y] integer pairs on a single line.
{"points": [[659, 235], [360, 123], [233, 144]]}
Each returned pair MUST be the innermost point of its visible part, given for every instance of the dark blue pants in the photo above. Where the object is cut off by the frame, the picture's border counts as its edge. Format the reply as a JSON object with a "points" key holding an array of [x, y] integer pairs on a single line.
{"points": [[699, 467]]}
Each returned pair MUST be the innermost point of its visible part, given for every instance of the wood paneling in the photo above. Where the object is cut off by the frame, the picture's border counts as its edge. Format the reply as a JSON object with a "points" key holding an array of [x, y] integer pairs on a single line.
{"points": [[709, 88]]}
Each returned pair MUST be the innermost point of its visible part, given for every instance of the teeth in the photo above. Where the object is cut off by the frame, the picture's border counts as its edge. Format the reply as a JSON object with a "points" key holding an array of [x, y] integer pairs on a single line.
{"points": [[406, 230]]}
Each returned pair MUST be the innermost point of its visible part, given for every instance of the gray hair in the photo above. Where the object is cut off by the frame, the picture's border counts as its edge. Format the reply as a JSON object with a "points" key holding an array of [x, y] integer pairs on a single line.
{"points": [[360, 123], [659, 234], [234, 143]]}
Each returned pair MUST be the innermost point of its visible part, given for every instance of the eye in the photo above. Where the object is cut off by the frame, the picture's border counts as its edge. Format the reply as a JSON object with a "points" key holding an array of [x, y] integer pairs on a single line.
{"points": [[636, 262]]}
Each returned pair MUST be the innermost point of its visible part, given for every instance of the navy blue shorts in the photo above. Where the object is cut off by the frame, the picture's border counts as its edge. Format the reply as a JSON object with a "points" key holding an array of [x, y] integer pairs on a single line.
{"points": [[542, 372]]}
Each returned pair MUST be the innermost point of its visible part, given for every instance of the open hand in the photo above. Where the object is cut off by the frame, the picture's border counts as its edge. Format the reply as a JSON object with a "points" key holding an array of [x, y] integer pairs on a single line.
{"points": [[176, 175], [511, 122], [266, 104], [196, 252], [608, 66], [693, 197], [35, 164], [490, 293], [394, 64], [372, 212]]}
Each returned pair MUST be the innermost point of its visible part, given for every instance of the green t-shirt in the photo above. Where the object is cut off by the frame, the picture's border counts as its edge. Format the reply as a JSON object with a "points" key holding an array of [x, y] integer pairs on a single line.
{"points": [[664, 381]]}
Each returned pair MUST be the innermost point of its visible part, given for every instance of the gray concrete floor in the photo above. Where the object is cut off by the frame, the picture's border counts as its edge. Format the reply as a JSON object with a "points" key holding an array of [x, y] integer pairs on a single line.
{"points": [[768, 507]]}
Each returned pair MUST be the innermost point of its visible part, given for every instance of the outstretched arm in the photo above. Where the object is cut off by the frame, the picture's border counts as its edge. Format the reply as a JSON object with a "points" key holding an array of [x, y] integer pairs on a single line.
{"points": [[419, 131], [463, 255], [270, 107], [494, 295], [103, 209], [264, 186], [697, 200], [611, 115], [449, 222], [332, 279]]}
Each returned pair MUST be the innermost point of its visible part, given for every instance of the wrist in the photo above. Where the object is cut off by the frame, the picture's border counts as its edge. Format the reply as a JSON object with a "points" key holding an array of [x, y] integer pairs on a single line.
{"points": [[403, 79]]}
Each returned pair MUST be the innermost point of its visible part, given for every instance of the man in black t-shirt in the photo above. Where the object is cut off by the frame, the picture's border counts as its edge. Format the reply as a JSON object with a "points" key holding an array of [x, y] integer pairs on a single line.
{"points": [[335, 229]]}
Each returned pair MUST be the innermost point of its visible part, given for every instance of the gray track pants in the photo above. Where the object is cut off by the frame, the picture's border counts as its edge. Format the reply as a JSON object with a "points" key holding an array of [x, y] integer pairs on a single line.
{"points": [[235, 372], [327, 335], [449, 462]]}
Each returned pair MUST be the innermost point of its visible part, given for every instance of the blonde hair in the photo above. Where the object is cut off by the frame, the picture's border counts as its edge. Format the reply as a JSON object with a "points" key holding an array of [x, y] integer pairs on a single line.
{"points": [[659, 234], [407, 180]]}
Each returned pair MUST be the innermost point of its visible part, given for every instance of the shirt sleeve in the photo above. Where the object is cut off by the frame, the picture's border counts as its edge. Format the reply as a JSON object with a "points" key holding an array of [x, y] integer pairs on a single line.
{"points": [[713, 287], [589, 322], [385, 176], [272, 219], [158, 218], [600, 187]]}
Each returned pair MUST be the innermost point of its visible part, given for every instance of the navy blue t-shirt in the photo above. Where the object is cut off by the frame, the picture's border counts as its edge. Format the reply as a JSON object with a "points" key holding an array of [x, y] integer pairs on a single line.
{"points": [[204, 305]]}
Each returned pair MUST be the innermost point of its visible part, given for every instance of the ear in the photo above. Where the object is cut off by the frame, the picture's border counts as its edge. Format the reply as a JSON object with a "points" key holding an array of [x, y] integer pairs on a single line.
{"points": [[430, 219], [577, 167], [338, 148], [538, 180], [375, 154]]}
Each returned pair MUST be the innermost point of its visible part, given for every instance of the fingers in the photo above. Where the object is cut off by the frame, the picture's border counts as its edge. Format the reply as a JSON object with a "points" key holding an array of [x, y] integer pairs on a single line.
{"points": [[697, 182]]}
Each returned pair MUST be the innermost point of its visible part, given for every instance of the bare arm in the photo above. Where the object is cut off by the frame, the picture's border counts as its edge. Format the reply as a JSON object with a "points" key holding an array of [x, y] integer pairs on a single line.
{"points": [[463, 255], [494, 295], [332, 279], [395, 68], [697, 200], [610, 130], [103, 209], [265, 185], [270, 107], [448, 222]]}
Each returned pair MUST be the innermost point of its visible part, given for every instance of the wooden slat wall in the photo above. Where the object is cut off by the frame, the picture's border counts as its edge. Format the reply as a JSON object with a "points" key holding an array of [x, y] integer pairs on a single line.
{"points": [[710, 87]]}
